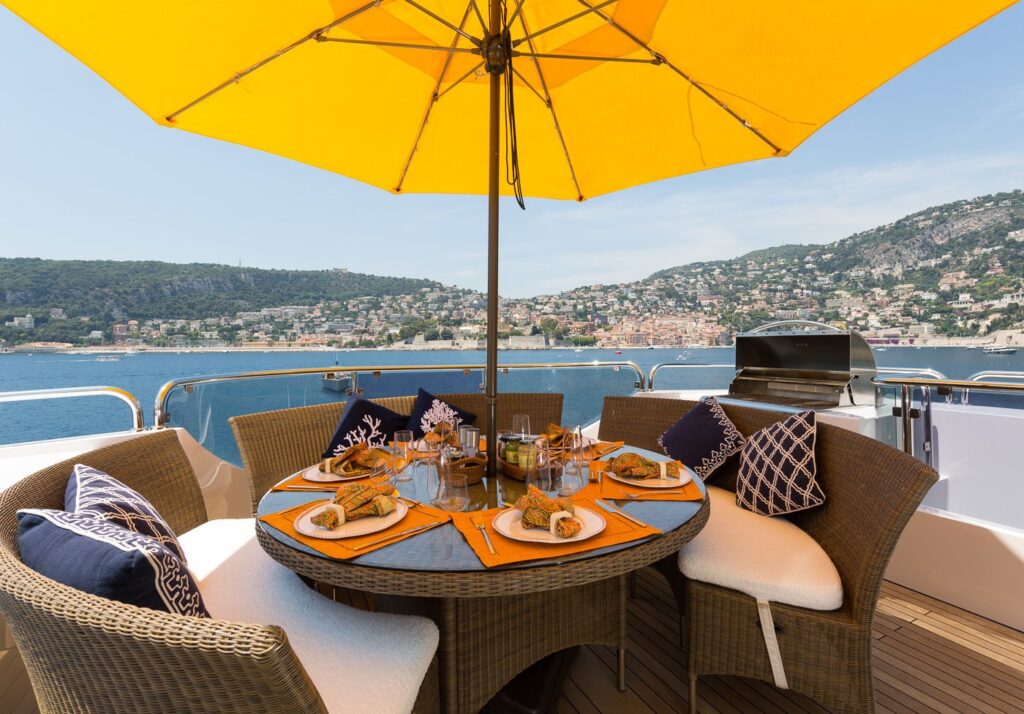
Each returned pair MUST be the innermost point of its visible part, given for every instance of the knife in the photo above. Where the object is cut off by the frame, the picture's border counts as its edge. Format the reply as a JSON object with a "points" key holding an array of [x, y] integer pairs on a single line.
{"points": [[408, 531], [619, 512]]}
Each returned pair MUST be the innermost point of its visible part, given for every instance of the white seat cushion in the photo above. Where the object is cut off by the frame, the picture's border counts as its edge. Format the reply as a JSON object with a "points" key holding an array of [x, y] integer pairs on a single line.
{"points": [[769, 559], [359, 661]]}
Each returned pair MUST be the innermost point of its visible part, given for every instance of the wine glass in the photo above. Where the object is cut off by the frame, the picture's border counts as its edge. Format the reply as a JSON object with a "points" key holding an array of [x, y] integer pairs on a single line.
{"points": [[543, 478], [402, 449], [521, 424]]}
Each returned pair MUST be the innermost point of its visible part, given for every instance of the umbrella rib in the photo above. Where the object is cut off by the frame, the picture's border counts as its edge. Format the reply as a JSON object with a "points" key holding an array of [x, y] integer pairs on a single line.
{"points": [[589, 58], [529, 86], [459, 81], [554, 115], [560, 23], [450, 26], [434, 97], [400, 45], [479, 16], [661, 59], [515, 14], [267, 60]]}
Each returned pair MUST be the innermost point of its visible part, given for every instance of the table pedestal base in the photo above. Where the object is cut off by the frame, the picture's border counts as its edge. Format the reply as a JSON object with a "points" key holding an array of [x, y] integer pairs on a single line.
{"points": [[489, 640]]}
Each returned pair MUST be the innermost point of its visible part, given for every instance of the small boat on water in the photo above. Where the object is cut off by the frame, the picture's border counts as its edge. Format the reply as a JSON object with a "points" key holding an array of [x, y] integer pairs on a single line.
{"points": [[1000, 350], [109, 358]]}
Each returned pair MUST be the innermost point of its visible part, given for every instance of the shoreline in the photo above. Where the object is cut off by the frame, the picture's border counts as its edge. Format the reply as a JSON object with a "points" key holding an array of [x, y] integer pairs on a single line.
{"points": [[134, 351]]}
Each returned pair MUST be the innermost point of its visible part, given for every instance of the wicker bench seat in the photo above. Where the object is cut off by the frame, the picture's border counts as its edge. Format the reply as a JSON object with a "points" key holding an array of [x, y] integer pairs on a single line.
{"points": [[272, 645], [359, 661], [766, 558]]}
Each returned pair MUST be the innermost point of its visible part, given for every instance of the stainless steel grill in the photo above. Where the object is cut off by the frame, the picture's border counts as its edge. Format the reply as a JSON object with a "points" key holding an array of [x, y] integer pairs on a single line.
{"points": [[804, 364]]}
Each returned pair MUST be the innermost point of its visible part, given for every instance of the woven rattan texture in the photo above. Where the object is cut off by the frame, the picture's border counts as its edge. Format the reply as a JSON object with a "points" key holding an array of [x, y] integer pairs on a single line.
{"points": [[528, 627], [277, 443], [89, 654], [871, 492]]}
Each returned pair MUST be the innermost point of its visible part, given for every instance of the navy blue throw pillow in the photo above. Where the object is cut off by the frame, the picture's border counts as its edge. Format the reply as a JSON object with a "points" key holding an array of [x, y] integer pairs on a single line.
{"points": [[703, 439], [363, 420], [97, 494], [99, 557], [429, 411], [778, 470]]}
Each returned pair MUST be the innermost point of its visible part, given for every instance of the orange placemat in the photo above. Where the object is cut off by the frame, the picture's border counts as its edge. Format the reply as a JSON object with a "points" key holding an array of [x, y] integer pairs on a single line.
{"points": [[622, 492], [618, 530], [344, 549]]}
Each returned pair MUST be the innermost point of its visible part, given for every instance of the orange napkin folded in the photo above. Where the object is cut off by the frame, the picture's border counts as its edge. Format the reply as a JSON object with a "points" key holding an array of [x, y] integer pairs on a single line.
{"points": [[618, 530], [344, 548], [621, 492]]}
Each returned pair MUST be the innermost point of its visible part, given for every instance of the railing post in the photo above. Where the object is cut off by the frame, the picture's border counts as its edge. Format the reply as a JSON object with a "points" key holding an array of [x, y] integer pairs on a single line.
{"points": [[908, 424]]}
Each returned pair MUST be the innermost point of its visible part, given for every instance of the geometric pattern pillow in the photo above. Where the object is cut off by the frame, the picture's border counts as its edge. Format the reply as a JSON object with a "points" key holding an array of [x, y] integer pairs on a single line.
{"points": [[94, 493], [777, 468], [100, 557], [703, 439], [364, 421], [428, 411]]}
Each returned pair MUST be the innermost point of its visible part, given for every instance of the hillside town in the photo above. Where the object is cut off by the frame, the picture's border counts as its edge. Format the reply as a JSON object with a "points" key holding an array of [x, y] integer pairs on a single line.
{"points": [[952, 274]]}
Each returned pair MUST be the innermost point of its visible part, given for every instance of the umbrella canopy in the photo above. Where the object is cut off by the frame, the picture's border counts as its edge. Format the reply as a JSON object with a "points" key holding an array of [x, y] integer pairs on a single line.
{"points": [[668, 87], [593, 95]]}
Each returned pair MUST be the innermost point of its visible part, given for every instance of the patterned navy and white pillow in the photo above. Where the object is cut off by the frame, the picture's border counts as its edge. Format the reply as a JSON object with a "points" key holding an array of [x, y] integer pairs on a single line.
{"points": [[102, 496], [429, 411], [778, 469], [703, 439], [98, 556], [363, 420]]}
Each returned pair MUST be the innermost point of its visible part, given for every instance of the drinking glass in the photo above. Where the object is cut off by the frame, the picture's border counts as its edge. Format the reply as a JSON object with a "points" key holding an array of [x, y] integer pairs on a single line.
{"points": [[543, 478], [453, 494], [521, 424], [469, 440], [402, 452], [573, 479]]}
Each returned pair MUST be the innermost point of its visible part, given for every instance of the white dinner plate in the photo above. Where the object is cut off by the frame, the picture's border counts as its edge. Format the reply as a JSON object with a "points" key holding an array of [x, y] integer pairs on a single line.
{"points": [[313, 473], [349, 529], [684, 478], [510, 524]]}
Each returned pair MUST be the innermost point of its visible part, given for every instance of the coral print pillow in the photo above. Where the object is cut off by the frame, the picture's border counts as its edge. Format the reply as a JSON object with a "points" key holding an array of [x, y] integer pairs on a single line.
{"points": [[429, 411], [778, 470], [703, 439], [364, 421]]}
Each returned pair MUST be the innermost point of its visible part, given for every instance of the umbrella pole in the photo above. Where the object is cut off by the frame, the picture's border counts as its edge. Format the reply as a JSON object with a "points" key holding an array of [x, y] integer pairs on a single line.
{"points": [[494, 167]]}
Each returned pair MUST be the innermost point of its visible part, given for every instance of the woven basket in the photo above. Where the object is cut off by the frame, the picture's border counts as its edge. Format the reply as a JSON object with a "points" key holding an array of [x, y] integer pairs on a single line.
{"points": [[472, 467]]}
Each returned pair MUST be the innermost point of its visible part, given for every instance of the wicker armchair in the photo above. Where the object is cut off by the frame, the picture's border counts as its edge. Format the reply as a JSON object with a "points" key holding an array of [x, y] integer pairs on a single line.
{"points": [[277, 443], [89, 654], [872, 491]]}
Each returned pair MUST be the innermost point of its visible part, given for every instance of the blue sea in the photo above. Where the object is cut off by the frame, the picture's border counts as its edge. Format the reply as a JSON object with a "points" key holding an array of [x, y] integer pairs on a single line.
{"points": [[204, 410]]}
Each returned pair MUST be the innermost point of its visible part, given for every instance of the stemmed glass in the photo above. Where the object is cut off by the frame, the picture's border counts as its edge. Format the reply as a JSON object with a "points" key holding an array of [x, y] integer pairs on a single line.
{"points": [[452, 488], [403, 448]]}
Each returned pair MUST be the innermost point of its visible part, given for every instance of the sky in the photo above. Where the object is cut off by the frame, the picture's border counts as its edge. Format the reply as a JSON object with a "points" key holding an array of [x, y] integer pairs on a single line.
{"points": [[85, 175]]}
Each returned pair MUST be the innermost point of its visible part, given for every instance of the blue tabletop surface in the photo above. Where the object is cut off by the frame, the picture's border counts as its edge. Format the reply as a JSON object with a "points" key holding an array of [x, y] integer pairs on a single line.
{"points": [[443, 549]]}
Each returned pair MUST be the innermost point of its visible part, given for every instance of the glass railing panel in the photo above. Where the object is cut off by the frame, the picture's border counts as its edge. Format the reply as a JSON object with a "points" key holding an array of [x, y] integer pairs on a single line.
{"points": [[204, 406], [68, 412], [679, 376]]}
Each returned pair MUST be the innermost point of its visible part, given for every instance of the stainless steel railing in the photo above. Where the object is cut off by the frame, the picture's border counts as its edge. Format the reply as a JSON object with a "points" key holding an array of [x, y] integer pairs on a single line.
{"points": [[988, 374], [77, 392], [682, 365], [907, 384], [162, 397]]}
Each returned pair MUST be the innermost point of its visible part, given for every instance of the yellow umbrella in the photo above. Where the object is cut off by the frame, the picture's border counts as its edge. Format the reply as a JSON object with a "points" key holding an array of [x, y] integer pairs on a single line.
{"points": [[407, 95]]}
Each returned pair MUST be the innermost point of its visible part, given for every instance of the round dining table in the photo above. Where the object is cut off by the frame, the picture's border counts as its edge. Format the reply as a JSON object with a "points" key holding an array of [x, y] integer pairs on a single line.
{"points": [[494, 622]]}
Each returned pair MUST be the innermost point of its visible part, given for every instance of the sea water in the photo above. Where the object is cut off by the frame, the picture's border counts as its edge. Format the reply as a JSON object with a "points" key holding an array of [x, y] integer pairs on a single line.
{"points": [[204, 410]]}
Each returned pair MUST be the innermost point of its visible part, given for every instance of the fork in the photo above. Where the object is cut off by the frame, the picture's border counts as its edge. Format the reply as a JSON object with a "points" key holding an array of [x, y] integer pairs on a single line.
{"points": [[479, 525], [659, 493]]}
